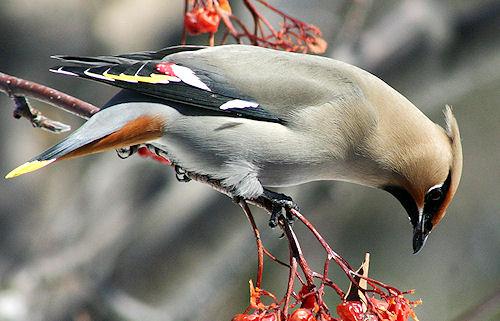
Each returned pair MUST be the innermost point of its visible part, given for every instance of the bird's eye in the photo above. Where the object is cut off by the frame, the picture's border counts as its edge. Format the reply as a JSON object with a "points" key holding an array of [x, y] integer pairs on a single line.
{"points": [[435, 194]]}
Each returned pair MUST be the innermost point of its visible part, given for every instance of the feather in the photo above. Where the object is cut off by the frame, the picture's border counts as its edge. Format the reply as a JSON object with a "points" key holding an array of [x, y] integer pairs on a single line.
{"points": [[167, 80]]}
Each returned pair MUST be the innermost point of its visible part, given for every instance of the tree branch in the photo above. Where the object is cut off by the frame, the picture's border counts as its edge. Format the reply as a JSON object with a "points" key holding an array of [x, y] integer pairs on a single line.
{"points": [[258, 240], [24, 109], [17, 87]]}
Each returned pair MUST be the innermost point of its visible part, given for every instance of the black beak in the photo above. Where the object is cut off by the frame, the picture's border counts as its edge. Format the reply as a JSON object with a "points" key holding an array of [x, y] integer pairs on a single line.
{"points": [[421, 222], [420, 233]]}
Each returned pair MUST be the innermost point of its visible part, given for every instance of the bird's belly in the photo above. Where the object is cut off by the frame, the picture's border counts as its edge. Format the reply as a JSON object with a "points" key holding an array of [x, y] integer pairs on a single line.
{"points": [[225, 146], [211, 162], [289, 174]]}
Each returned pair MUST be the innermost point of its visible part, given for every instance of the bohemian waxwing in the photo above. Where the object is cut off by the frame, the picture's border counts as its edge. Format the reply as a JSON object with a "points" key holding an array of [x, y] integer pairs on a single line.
{"points": [[254, 118]]}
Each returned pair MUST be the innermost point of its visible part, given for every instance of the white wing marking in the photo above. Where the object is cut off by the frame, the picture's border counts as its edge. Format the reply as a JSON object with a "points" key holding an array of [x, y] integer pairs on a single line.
{"points": [[140, 68], [61, 71], [188, 76], [93, 74], [238, 103]]}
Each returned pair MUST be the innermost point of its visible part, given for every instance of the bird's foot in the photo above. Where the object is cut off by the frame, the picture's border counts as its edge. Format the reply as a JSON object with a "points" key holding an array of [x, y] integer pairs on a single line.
{"points": [[280, 203], [181, 174], [126, 152]]}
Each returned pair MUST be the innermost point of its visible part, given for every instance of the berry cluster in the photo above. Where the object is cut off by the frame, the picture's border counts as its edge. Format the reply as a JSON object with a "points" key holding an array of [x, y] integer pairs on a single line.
{"points": [[394, 307], [298, 315], [291, 34], [203, 16]]}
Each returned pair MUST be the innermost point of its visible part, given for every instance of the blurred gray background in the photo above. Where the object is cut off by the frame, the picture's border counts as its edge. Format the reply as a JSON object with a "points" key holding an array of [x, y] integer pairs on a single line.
{"points": [[101, 238]]}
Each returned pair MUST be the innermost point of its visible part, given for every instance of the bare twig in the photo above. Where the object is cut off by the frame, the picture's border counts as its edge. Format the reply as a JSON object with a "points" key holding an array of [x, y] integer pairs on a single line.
{"points": [[258, 16], [260, 247], [24, 109], [14, 86], [184, 32], [229, 25], [291, 281], [296, 251]]}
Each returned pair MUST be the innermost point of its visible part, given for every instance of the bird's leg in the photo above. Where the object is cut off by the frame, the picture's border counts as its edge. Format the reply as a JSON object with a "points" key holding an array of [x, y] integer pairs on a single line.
{"points": [[279, 202], [126, 152], [181, 174]]}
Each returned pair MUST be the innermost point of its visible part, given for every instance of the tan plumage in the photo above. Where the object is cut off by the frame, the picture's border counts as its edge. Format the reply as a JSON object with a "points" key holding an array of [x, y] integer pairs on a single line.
{"points": [[255, 118]]}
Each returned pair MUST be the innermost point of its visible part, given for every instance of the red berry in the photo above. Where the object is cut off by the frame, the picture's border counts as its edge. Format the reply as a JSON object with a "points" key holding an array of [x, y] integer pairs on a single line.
{"points": [[394, 308], [401, 308], [269, 317], [350, 311], [326, 317], [201, 20], [302, 315], [209, 21], [238, 317], [191, 22], [308, 298], [246, 317]]}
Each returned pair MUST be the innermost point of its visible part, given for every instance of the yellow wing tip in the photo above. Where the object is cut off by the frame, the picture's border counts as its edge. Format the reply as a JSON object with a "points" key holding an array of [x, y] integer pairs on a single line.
{"points": [[28, 167]]}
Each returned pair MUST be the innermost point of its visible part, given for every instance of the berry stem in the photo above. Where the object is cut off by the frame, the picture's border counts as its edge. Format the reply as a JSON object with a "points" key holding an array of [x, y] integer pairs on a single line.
{"points": [[258, 241], [291, 281]]}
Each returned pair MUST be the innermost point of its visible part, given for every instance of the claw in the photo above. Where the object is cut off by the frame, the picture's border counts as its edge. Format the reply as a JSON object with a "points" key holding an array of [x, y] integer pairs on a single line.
{"points": [[160, 152], [127, 151], [279, 203], [181, 174], [276, 212], [237, 199], [288, 214]]}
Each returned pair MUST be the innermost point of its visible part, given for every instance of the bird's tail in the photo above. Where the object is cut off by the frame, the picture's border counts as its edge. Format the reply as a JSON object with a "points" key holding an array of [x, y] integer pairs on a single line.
{"points": [[100, 133]]}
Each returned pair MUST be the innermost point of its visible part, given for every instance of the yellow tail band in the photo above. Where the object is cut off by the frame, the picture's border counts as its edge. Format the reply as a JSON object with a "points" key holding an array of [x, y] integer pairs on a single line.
{"points": [[28, 167]]}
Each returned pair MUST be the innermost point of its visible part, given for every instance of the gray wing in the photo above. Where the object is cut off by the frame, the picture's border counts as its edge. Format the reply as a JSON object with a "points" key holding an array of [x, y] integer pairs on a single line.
{"points": [[283, 83], [154, 74], [241, 81]]}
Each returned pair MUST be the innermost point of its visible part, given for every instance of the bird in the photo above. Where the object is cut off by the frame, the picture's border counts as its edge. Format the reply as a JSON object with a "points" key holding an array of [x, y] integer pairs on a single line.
{"points": [[255, 118]]}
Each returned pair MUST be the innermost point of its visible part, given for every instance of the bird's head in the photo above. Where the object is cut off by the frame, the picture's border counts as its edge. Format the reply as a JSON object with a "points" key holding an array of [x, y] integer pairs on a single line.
{"points": [[428, 180]]}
